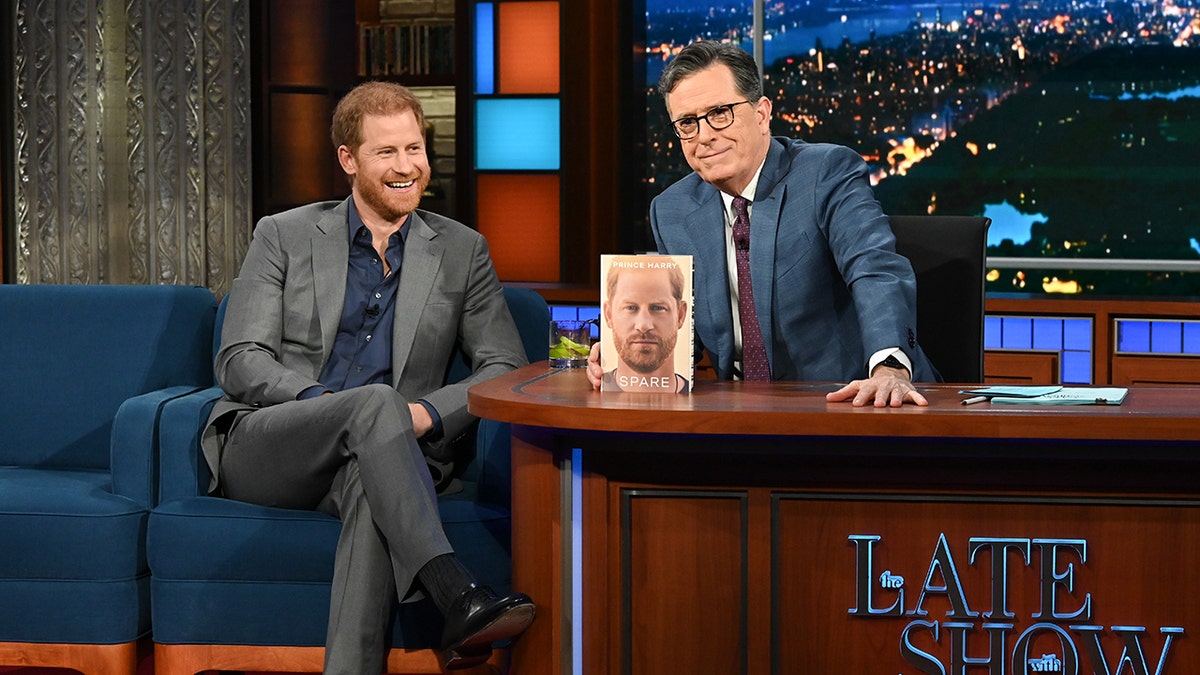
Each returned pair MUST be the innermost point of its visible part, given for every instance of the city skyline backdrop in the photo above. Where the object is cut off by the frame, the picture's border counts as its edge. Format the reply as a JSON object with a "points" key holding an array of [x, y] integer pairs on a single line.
{"points": [[1073, 125]]}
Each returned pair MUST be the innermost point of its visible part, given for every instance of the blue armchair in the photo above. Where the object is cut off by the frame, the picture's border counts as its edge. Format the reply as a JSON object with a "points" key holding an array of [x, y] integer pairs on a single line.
{"points": [[238, 586], [86, 370]]}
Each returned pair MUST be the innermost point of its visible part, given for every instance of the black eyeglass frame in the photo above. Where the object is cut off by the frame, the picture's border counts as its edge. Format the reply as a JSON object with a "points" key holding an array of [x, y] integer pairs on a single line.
{"points": [[697, 118]]}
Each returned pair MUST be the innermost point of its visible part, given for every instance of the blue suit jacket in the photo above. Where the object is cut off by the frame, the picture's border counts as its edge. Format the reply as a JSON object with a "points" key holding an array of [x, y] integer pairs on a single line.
{"points": [[829, 287]]}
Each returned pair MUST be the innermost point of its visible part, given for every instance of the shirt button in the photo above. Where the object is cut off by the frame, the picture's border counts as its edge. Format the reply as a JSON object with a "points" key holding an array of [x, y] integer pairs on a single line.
{"points": [[368, 338], [377, 296]]}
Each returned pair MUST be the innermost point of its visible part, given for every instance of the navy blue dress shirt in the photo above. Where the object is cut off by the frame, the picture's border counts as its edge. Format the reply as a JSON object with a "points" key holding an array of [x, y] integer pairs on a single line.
{"points": [[362, 349]]}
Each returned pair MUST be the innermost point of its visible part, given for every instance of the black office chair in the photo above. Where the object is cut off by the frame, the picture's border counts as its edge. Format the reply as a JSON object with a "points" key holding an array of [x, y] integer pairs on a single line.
{"points": [[949, 257]]}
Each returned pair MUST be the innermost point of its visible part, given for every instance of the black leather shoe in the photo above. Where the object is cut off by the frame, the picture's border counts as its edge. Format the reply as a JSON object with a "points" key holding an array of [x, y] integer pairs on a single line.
{"points": [[477, 619]]}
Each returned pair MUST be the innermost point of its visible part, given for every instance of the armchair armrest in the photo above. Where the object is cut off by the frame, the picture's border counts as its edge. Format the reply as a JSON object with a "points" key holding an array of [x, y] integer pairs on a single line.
{"points": [[182, 468], [132, 454]]}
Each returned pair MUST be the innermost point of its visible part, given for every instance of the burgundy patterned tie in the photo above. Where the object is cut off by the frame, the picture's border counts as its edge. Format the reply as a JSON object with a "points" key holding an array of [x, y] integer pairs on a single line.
{"points": [[754, 355]]}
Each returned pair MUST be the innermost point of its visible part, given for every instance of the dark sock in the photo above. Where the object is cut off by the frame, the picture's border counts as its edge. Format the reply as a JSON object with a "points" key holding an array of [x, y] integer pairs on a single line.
{"points": [[445, 578]]}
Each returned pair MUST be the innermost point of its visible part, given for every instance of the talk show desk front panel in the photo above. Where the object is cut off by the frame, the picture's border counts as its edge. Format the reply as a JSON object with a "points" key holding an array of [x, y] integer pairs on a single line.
{"points": [[755, 528]]}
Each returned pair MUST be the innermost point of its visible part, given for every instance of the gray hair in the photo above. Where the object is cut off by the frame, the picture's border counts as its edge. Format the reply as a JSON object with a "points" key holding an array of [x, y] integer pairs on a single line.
{"points": [[702, 54]]}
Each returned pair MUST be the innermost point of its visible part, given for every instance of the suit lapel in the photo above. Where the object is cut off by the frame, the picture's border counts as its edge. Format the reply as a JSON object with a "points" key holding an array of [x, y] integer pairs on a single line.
{"points": [[422, 260], [769, 196], [330, 259], [706, 228]]}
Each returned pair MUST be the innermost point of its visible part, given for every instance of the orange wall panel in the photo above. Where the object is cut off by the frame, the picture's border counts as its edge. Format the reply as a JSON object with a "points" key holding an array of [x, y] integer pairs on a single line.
{"points": [[519, 215], [528, 47]]}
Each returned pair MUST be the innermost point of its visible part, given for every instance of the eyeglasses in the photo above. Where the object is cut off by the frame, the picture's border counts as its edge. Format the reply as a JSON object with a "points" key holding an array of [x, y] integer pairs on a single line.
{"points": [[718, 118]]}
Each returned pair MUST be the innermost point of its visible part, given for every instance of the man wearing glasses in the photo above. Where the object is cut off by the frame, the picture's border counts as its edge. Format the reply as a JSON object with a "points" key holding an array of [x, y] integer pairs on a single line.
{"points": [[794, 231]]}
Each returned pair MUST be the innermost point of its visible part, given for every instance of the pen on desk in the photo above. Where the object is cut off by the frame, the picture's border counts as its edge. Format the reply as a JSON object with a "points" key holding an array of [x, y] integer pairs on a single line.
{"points": [[974, 399]]}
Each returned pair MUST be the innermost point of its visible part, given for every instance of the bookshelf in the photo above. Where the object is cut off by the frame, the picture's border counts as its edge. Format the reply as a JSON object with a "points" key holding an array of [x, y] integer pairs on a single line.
{"points": [[416, 50], [411, 41]]}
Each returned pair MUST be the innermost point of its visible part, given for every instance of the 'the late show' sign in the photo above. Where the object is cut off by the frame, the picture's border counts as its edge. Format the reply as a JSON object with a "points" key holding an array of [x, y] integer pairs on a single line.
{"points": [[1056, 637]]}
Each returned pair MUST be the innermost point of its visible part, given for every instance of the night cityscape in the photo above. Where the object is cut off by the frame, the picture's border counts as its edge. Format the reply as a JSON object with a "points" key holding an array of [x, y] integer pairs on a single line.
{"points": [[1073, 125]]}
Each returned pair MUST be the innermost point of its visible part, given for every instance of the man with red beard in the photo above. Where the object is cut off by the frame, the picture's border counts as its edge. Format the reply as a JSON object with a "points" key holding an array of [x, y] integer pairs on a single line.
{"points": [[338, 333], [645, 309]]}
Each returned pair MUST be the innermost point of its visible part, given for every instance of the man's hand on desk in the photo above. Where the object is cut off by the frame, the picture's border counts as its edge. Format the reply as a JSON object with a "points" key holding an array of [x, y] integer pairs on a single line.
{"points": [[886, 387], [594, 371]]}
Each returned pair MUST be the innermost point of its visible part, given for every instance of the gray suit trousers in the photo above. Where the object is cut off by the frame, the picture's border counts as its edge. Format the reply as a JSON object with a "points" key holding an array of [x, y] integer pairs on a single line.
{"points": [[353, 454]]}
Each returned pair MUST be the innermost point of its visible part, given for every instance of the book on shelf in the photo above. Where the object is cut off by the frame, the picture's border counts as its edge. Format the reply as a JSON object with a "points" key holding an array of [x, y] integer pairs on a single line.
{"points": [[646, 338], [418, 47]]}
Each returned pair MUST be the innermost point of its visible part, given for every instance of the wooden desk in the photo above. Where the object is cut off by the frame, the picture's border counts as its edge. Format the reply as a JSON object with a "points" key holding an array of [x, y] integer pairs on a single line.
{"points": [[755, 528]]}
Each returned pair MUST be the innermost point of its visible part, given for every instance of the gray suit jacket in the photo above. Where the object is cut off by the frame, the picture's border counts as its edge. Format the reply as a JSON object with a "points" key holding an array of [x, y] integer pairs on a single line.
{"points": [[829, 287], [286, 304]]}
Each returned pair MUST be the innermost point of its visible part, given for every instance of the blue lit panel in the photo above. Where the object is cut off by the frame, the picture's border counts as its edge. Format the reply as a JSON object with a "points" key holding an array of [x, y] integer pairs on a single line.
{"points": [[1018, 333], [1077, 334], [564, 313], [992, 326], [1076, 368], [1166, 337], [513, 134], [1048, 334], [1133, 336], [578, 313], [1191, 338], [1070, 337], [485, 49]]}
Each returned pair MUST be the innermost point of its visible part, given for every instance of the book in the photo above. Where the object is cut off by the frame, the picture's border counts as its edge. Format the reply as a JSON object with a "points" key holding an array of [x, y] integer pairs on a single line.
{"points": [[646, 323], [411, 47]]}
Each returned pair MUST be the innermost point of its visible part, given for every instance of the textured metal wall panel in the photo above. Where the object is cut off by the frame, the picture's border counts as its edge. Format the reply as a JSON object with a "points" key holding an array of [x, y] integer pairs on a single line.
{"points": [[132, 141]]}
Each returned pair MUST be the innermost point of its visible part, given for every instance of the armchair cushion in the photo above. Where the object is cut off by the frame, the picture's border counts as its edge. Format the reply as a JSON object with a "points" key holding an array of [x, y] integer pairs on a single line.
{"points": [[225, 571], [60, 515], [77, 547]]}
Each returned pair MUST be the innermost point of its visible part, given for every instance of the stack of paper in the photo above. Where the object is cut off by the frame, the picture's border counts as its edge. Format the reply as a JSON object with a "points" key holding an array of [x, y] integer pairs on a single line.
{"points": [[1052, 395]]}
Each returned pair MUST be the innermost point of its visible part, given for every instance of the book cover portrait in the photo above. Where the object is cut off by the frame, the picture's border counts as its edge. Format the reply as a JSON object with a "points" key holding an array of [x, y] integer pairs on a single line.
{"points": [[646, 323]]}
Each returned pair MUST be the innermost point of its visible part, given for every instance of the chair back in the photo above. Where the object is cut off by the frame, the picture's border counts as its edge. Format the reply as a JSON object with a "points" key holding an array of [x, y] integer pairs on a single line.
{"points": [[491, 468], [532, 316], [72, 354], [949, 257]]}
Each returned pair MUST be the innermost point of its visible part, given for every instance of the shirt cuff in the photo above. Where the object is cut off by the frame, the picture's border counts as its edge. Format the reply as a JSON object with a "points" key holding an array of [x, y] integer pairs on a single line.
{"points": [[436, 432], [882, 354]]}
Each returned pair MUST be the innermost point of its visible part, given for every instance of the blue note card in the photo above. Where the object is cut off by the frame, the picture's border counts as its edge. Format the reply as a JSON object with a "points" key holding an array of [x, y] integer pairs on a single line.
{"points": [[1072, 396]]}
